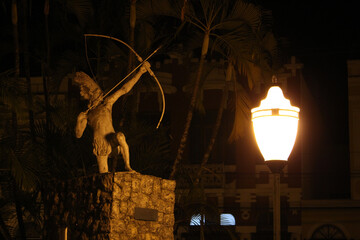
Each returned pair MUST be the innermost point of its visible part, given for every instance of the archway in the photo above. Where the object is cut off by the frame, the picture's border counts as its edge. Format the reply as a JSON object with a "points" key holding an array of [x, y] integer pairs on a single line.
{"points": [[328, 231]]}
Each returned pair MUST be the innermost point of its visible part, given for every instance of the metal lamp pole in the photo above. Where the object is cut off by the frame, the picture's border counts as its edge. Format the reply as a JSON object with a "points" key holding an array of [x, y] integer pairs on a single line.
{"points": [[276, 207], [275, 124], [276, 167]]}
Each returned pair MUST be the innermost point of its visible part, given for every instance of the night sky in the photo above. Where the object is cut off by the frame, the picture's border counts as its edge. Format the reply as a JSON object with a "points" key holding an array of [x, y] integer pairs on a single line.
{"points": [[323, 35]]}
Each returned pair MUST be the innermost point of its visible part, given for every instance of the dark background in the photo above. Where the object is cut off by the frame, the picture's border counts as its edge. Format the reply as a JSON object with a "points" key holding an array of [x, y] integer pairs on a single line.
{"points": [[323, 35]]}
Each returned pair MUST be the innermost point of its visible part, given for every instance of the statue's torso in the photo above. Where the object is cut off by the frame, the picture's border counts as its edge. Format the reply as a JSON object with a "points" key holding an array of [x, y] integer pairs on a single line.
{"points": [[100, 120]]}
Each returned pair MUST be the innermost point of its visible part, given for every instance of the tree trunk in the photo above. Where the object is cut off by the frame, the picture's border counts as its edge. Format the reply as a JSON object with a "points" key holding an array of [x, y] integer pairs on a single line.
{"points": [[194, 96], [214, 133], [46, 65], [202, 221], [47, 35], [27, 67], [14, 16], [19, 213], [46, 97], [132, 33], [131, 60]]}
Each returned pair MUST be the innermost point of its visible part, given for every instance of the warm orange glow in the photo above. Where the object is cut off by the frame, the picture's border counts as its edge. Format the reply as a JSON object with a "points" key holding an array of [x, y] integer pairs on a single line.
{"points": [[275, 124]]}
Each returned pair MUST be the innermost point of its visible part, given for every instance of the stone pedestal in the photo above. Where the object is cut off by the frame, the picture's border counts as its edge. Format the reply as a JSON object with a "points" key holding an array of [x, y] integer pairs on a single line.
{"points": [[111, 206]]}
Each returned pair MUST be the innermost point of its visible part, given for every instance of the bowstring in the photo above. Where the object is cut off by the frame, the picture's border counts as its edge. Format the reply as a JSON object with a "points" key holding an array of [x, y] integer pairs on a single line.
{"points": [[102, 97]]}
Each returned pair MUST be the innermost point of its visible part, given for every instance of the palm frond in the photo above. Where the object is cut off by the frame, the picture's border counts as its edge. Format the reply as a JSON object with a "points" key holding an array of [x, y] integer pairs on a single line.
{"points": [[66, 64], [66, 155], [149, 9], [242, 109], [149, 148], [23, 166], [12, 91], [82, 9], [247, 12]]}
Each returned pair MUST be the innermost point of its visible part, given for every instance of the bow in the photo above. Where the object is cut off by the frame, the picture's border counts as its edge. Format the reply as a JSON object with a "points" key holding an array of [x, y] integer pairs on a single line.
{"points": [[141, 63]]}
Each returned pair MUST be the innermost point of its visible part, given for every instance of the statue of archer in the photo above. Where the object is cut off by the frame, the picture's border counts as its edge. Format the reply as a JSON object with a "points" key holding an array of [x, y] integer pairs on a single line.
{"points": [[99, 117]]}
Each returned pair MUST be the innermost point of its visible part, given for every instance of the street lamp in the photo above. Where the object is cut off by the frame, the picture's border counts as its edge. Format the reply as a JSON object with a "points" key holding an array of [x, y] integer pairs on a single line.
{"points": [[275, 124]]}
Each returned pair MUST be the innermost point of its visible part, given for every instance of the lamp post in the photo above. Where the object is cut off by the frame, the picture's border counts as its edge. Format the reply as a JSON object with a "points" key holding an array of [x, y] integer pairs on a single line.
{"points": [[275, 124]]}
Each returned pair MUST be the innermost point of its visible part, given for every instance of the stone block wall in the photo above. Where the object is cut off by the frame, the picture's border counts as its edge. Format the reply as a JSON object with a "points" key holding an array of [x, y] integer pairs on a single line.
{"points": [[111, 206]]}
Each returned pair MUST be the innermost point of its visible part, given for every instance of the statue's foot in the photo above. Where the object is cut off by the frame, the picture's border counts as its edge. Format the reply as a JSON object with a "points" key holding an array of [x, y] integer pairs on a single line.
{"points": [[129, 169]]}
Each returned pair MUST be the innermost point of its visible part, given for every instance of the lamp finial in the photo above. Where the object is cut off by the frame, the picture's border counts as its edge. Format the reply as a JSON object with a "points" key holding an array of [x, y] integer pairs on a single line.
{"points": [[274, 79]]}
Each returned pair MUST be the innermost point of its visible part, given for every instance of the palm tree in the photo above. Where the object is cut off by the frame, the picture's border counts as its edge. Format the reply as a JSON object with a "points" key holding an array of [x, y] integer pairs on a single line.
{"points": [[233, 24], [257, 69], [15, 152], [132, 33], [14, 18], [215, 130], [19, 152], [26, 54], [4, 232]]}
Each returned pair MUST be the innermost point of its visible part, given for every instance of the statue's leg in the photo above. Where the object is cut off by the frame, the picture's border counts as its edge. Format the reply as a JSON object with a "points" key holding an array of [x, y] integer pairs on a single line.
{"points": [[124, 150], [101, 150], [102, 163]]}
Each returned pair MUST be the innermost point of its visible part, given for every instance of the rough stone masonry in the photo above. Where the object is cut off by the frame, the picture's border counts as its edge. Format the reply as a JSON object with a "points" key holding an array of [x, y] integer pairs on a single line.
{"points": [[110, 206]]}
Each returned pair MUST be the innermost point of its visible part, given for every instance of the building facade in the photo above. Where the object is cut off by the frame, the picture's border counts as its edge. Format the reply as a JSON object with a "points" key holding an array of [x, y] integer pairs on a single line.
{"points": [[238, 183]]}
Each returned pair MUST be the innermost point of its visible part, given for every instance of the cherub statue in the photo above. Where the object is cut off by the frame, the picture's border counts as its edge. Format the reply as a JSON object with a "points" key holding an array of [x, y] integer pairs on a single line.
{"points": [[99, 117]]}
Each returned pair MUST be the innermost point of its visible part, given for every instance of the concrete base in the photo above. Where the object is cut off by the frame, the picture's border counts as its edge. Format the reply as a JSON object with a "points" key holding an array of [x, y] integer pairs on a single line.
{"points": [[112, 206]]}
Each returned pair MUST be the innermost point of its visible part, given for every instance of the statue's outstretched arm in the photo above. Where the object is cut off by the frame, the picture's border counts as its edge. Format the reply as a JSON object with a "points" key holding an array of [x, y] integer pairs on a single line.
{"points": [[80, 124], [127, 86]]}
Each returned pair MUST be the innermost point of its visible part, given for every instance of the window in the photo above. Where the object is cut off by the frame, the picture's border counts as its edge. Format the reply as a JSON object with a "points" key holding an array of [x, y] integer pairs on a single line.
{"points": [[195, 220], [328, 231], [227, 219]]}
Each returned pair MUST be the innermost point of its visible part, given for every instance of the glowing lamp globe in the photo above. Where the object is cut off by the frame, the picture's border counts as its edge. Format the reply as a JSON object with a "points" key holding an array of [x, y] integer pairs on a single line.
{"points": [[275, 124]]}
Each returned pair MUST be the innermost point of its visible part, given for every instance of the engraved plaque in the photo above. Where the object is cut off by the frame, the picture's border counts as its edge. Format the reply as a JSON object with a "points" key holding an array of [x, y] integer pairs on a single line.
{"points": [[146, 214]]}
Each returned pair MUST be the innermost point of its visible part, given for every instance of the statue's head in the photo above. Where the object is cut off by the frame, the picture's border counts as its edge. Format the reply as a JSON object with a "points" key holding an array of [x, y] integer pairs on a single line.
{"points": [[89, 89]]}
